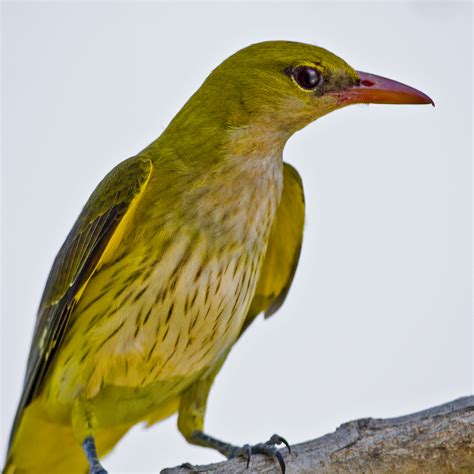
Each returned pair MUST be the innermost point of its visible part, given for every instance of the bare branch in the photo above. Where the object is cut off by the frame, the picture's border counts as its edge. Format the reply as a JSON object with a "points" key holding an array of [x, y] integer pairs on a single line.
{"points": [[437, 440]]}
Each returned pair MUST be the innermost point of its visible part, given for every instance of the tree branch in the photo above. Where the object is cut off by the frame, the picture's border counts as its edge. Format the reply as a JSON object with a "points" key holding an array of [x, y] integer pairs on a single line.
{"points": [[437, 440]]}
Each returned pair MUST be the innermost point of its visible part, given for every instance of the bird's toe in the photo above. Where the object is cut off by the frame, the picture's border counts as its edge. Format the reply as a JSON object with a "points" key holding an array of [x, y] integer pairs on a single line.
{"points": [[268, 448]]}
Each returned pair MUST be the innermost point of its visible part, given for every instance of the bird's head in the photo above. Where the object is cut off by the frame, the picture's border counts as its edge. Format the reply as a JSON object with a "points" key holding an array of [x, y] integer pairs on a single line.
{"points": [[280, 86], [291, 84]]}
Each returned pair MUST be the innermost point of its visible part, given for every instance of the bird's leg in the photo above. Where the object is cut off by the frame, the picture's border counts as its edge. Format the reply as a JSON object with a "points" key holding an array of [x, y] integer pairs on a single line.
{"points": [[95, 467], [83, 425], [192, 409]]}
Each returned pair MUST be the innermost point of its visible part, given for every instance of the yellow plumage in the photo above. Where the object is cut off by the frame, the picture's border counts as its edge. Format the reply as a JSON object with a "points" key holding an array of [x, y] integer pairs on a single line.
{"points": [[177, 304], [176, 252]]}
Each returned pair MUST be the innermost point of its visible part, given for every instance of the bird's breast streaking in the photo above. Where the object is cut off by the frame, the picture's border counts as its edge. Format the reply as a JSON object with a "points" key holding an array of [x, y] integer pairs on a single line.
{"points": [[186, 299]]}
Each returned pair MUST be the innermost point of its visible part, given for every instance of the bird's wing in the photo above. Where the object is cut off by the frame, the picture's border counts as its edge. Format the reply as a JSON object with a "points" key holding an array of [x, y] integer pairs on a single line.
{"points": [[283, 250], [76, 261]]}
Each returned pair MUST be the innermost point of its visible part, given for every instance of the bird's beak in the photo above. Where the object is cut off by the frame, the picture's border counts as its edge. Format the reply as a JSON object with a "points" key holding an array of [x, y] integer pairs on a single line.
{"points": [[374, 89]]}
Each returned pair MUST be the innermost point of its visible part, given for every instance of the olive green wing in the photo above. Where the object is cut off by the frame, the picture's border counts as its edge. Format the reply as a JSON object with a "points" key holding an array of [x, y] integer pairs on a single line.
{"points": [[283, 250], [74, 265]]}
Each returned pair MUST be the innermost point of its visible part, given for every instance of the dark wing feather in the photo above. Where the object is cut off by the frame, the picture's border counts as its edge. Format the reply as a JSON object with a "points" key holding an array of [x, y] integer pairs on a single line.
{"points": [[73, 266], [283, 250]]}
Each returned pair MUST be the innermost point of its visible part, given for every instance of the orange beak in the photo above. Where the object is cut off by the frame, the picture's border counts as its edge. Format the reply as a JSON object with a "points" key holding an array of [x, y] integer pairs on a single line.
{"points": [[380, 90]]}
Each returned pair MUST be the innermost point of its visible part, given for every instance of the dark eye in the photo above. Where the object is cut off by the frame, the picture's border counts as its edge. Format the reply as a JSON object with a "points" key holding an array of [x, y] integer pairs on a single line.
{"points": [[307, 77]]}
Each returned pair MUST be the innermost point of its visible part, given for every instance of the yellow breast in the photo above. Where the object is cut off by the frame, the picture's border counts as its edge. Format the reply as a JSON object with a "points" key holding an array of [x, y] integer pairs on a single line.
{"points": [[161, 314]]}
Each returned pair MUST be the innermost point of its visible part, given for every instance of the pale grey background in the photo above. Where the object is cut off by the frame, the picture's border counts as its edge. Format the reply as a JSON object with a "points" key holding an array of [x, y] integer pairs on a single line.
{"points": [[378, 321]]}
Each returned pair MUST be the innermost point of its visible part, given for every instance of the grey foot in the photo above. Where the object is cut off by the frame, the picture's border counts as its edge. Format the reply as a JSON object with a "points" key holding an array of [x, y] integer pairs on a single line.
{"points": [[268, 448], [187, 465]]}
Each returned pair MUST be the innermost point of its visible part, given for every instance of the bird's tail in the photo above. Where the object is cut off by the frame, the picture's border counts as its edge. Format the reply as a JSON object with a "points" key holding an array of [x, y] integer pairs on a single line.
{"points": [[41, 446]]}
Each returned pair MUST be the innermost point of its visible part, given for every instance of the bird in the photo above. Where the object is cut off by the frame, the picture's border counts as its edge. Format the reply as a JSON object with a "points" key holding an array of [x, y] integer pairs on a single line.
{"points": [[174, 255]]}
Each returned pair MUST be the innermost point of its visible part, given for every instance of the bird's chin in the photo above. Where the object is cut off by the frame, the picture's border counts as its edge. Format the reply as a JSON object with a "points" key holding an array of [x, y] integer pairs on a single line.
{"points": [[374, 89]]}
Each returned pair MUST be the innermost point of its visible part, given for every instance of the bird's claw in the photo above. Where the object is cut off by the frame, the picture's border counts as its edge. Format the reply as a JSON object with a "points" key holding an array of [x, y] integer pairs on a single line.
{"points": [[268, 448], [277, 439], [246, 452]]}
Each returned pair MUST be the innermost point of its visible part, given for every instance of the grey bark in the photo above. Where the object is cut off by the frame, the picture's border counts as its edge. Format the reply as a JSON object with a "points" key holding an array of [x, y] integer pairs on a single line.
{"points": [[437, 440]]}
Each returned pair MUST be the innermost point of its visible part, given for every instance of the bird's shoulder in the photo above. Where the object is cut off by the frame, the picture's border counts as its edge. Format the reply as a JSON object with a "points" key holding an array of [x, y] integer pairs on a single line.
{"points": [[108, 205]]}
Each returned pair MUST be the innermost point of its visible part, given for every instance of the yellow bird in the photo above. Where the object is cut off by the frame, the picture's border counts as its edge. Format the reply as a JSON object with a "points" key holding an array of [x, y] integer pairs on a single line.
{"points": [[175, 253]]}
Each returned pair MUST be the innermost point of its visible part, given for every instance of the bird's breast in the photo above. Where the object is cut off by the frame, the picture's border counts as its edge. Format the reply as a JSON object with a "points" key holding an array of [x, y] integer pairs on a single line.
{"points": [[166, 310]]}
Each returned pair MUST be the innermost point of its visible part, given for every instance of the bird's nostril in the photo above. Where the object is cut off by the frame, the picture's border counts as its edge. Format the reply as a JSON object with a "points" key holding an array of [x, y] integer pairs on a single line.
{"points": [[367, 83]]}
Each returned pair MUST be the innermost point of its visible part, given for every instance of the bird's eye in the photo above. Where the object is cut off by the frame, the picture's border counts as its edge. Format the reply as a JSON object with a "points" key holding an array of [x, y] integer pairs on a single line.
{"points": [[307, 77]]}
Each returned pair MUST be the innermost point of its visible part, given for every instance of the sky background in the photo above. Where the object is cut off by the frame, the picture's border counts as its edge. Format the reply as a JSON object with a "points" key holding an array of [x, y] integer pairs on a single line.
{"points": [[378, 320]]}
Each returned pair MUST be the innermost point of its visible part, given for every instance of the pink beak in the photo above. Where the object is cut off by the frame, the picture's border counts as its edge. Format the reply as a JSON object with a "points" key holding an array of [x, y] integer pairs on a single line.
{"points": [[380, 90]]}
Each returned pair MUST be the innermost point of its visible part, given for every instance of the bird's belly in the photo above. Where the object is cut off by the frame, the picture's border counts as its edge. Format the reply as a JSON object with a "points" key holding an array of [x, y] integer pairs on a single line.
{"points": [[156, 329]]}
